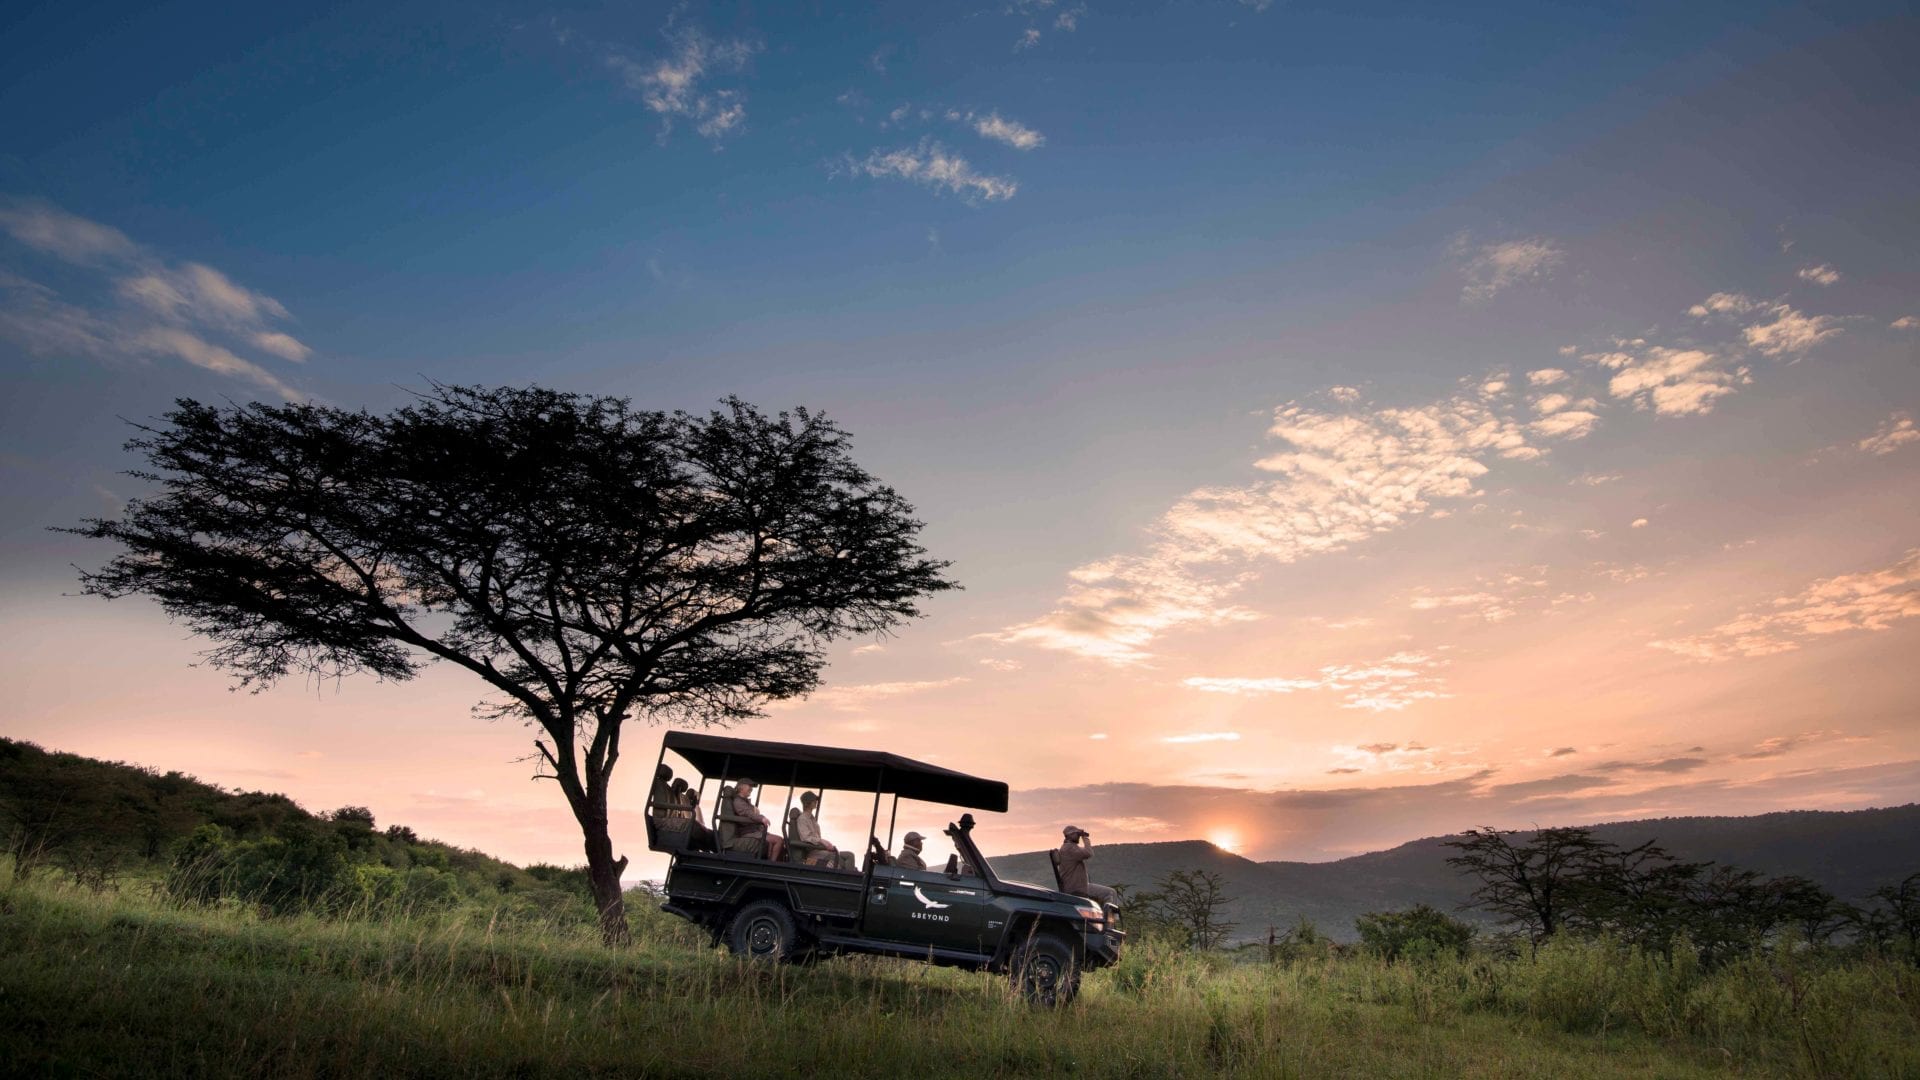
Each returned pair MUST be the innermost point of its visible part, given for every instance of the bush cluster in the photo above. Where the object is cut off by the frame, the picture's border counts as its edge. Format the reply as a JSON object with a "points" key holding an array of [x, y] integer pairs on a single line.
{"points": [[1418, 933], [302, 868]]}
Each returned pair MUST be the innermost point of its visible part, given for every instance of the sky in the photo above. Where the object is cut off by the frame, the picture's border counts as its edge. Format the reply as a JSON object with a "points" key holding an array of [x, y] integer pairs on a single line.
{"points": [[1349, 422]]}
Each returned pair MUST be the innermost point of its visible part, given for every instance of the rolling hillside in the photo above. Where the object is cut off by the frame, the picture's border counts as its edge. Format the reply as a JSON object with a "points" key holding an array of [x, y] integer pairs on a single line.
{"points": [[1849, 852]]}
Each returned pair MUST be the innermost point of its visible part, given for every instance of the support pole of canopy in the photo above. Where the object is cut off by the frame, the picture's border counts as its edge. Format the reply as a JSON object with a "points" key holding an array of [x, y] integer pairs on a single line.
{"points": [[786, 815], [873, 824]]}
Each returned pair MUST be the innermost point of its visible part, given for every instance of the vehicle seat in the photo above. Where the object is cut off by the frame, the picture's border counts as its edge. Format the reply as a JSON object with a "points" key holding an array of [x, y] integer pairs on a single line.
{"points": [[668, 828], [728, 833], [798, 851], [1053, 860]]}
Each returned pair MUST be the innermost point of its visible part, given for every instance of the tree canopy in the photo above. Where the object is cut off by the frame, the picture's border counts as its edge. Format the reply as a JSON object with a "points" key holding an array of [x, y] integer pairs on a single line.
{"points": [[590, 561]]}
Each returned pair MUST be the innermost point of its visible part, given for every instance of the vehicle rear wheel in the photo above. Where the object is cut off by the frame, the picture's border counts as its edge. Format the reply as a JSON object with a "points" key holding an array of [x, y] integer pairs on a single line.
{"points": [[764, 930], [1044, 971]]}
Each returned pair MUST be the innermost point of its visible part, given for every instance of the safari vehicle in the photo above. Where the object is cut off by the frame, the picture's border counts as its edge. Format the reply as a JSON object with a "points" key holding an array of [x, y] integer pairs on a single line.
{"points": [[963, 915]]}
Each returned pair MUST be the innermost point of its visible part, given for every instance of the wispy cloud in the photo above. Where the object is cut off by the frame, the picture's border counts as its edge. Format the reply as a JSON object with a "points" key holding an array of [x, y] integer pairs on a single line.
{"points": [[1388, 757], [932, 165], [1773, 327], [1491, 268], [1028, 39], [66, 236], [1012, 132], [1873, 600], [1203, 736], [1501, 595], [1781, 745], [1340, 478], [1905, 322], [858, 697], [1386, 685], [1670, 381], [1896, 432], [1820, 275], [146, 306], [675, 86], [1789, 331], [1484, 605]]}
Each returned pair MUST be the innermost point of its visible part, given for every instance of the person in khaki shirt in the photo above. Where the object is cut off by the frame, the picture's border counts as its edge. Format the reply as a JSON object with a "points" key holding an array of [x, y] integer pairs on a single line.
{"points": [[752, 837], [806, 838], [1072, 856]]}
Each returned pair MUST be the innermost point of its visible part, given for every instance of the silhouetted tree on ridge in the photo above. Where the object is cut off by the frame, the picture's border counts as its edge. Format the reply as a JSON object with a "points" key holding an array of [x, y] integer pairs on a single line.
{"points": [[590, 561], [1531, 883]]}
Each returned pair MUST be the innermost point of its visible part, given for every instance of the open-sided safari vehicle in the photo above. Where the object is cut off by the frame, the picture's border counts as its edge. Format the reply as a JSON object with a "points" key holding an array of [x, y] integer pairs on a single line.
{"points": [[812, 901]]}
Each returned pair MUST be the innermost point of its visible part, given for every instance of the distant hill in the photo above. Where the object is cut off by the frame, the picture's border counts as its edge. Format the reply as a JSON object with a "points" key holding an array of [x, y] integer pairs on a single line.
{"points": [[1848, 852], [66, 810]]}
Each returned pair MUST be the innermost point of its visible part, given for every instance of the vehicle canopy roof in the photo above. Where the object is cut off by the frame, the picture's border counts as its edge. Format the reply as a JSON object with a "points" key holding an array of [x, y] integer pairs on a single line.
{"points": [[833, 767]]}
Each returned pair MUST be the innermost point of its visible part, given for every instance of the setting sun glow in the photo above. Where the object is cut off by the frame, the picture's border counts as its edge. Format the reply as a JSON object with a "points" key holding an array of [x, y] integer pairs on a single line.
{"points": [[1225, 839]]}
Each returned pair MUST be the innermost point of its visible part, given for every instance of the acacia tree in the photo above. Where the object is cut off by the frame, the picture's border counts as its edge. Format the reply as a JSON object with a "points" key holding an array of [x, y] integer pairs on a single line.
{"points": [[1534, 883], [592, 562], [1191, 902]]}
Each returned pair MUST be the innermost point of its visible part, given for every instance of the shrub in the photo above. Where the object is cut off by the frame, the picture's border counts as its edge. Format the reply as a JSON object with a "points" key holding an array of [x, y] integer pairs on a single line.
{"points": [[300, 868], [1302, 941], [1420, 931]]}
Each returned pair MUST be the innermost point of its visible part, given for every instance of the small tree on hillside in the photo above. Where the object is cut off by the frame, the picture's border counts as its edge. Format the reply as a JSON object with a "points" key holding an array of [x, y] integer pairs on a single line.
{"points": [[589, 561], [1898, 908], [1192, 903], [1532, 883]]}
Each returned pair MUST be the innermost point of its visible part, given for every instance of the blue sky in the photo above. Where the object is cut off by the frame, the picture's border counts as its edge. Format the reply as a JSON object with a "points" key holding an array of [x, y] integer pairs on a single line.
{"points": [[1063, 269]]}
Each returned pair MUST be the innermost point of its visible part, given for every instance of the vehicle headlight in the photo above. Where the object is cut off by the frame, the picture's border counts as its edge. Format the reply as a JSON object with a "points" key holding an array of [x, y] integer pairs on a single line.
{"points": [[1090, 913]]}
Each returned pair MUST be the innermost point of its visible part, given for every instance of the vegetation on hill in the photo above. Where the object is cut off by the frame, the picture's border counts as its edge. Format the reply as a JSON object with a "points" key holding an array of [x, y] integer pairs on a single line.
{"points": [[101, 821]]}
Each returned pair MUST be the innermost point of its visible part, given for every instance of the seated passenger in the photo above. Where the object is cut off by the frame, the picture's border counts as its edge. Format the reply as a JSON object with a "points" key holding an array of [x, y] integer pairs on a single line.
{"points": [[660, 807], [750, 825], [803, 836], [909, 856], [683, 798]]}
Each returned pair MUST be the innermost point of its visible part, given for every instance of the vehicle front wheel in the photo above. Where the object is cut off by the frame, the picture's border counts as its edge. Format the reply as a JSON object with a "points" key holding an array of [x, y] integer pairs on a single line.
{"points": [[1044, 971], [764, 930]]}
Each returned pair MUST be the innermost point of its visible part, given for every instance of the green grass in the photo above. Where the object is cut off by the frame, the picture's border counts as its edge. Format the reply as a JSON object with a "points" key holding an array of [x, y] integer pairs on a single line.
{"points": [[123, 984]]}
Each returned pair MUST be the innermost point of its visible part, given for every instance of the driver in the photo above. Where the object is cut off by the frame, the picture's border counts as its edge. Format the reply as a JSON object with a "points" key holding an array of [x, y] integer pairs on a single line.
{"points": [[909, 856]]}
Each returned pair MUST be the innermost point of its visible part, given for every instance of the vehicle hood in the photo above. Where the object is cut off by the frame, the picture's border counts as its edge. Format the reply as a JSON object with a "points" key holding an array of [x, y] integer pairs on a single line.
{"points": [[1035, 892]]}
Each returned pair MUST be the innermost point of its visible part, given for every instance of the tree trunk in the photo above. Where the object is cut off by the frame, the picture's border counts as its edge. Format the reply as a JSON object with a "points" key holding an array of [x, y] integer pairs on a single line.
{"points": [[603, 874]]}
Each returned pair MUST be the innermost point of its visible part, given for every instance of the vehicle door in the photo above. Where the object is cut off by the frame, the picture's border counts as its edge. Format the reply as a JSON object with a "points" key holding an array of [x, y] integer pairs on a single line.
{"points": [[927, 907]]}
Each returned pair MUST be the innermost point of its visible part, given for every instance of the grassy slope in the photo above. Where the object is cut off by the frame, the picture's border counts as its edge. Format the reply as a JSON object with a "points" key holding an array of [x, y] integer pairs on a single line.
{"points": [[122, 985]]}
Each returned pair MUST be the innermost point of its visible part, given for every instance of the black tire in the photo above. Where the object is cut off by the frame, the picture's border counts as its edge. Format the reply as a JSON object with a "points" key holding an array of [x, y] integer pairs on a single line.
{"points": [[1045, 971], [764, 930]]}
